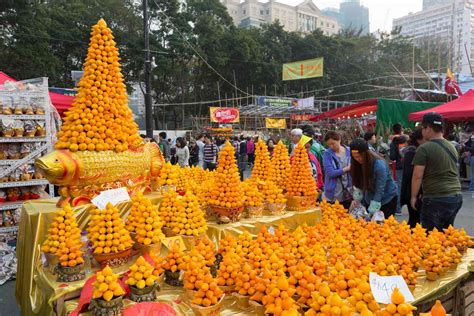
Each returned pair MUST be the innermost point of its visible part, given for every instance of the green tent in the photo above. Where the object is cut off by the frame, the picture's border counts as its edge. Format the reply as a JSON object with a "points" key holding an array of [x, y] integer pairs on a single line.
{"points": [[390, 112]]}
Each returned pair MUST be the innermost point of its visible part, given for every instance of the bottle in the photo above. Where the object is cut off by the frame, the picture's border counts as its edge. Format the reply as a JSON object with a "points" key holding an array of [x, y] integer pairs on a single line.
{"points": [[438, 309]]}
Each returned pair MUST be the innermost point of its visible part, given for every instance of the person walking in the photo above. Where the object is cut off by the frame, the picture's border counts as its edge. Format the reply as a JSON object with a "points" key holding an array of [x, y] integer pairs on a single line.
{"points": [[210, 153], [399, 141], [469, 147], [270, 146], [337, 166], [416, 139], [193, 153], [435, 168], [200, 145], [242, 162], [164, 146], [295, 139], [250, 150], [373, 180], [182, 152], [371, 139]]}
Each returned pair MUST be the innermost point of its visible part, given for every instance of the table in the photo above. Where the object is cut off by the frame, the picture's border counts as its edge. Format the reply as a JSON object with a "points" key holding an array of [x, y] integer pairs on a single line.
{"points": [[37, 291]]}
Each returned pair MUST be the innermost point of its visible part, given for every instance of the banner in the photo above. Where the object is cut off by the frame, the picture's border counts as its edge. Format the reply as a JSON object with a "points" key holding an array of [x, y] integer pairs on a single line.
{"points": [[224, 115], [275, 101], [301, 117], [278, 123], [307, 103], [303, 69]]}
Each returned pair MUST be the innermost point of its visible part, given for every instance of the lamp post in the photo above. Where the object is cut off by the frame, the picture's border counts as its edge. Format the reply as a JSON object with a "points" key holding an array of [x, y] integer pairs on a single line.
{"points": [[148, 101]]}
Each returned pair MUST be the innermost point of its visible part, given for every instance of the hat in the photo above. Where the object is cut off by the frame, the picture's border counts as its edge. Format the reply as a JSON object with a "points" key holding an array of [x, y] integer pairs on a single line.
{"points": [[296, 132], [359, 145], [432, 118]]}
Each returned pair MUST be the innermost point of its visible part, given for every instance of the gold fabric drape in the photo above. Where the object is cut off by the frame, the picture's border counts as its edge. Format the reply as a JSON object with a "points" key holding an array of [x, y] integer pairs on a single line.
{"points": [[36, 287]]}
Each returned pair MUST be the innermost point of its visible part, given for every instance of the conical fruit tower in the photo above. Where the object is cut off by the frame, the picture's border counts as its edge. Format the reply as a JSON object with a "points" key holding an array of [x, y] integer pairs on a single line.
{"points": [[188, 219], [110, 239], [227, 199], [100, 118], [301, 187], [262, 169], [281, 165]]}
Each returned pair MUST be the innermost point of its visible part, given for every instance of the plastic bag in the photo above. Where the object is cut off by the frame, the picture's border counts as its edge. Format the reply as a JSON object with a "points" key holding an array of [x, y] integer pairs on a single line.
{"points": [[378, 217], [30, 129], [8, 263], [13, 151], [18, 128], [359, 212]]}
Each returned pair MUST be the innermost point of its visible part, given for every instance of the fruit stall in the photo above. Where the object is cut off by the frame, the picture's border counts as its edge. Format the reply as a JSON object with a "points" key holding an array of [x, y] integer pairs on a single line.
{"points": [[131, 234]]}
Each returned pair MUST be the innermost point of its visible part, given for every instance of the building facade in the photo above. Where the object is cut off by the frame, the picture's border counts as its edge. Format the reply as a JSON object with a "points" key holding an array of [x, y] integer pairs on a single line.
{"points": [[450, 24], [355, 16], [429, 3], [305, 17]]}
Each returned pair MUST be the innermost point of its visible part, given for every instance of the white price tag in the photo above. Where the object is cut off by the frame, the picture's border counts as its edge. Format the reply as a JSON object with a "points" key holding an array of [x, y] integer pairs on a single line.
{"points": [[113, 196], [383, 286]]}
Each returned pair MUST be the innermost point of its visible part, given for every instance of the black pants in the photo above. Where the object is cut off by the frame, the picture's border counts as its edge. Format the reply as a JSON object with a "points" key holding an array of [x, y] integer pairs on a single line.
{"points": [[389, 208], [414, 216]]}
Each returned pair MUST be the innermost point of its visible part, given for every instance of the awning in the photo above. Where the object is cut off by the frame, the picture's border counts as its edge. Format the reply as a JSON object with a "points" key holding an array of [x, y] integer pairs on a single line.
{"points": [[461, 109], [357, 109]]}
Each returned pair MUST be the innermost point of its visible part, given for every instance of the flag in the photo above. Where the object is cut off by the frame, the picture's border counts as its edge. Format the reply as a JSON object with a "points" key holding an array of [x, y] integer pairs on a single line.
{"points": [[304, 139], [304, 69], [450, 84]]}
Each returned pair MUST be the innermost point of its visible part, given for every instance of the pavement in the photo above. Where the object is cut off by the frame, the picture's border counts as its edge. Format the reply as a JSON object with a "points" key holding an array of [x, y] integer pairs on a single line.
{"points": [[465, 218]]}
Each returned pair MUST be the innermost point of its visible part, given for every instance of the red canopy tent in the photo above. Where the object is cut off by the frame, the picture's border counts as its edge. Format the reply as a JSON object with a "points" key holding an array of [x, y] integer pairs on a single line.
{"points": [[461, 109], [353, 110], [60, 101]]}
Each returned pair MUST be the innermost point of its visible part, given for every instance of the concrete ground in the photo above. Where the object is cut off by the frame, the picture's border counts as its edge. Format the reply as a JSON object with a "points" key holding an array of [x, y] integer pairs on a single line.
{"points": [[465, 218]]}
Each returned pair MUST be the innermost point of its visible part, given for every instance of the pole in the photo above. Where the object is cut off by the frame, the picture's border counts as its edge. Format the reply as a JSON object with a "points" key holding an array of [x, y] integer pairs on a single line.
{"points": [[148, 105], [219, 93], [235, 85], [468, 58]]}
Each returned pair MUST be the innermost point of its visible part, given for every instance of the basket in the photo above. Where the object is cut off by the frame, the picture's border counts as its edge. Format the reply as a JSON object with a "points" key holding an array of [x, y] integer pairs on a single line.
{"points": [[173, 278], [241, 300], [190, 241], [276, 208], [227, 289], [70, 274], [168, 232], [113, 259], [101, 307], [147, 294], [133, 235], [51, 259], [254, 211], [151, 249], [300, 203], [208, 311], [227, 214]]}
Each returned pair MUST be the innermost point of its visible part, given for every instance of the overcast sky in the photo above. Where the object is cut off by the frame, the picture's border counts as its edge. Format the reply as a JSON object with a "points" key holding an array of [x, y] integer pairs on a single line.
{"points": [[381, 12]]}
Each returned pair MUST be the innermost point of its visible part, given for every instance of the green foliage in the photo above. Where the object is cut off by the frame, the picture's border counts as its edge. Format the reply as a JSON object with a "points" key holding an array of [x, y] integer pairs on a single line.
{"points": [[50, 38]]}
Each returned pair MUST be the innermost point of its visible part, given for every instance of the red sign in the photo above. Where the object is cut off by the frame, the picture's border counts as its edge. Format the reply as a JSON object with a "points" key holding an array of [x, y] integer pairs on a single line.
{"points": [[301, 117], [224, 115]]}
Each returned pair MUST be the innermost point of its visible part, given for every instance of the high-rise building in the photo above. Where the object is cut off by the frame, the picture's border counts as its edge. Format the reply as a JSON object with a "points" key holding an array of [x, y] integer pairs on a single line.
{"points": [[450, 24], [354, 16], [305, 17], [429, 3]]}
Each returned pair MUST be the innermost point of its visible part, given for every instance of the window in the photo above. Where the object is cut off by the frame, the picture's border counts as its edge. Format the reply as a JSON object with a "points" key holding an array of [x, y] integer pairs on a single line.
{"points": [[268, 12], [261, 12], [244, 12], [333, 26], [322, 23]]}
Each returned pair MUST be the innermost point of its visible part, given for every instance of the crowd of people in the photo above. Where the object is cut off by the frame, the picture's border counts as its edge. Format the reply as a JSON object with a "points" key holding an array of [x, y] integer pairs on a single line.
{"points": [[419, 170]]}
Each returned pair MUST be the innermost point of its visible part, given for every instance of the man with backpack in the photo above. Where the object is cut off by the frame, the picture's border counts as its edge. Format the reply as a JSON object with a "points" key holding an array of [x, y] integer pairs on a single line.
{"points": [[435, 168]]}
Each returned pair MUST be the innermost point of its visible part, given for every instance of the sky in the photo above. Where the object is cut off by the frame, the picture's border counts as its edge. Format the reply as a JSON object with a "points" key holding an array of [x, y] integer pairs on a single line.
{"points": [[381, 12]]}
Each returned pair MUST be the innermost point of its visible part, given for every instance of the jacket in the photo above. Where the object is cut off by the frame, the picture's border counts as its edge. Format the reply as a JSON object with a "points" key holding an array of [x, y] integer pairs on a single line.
{"points": [[333, 172], [385, 188], [395, 154]]}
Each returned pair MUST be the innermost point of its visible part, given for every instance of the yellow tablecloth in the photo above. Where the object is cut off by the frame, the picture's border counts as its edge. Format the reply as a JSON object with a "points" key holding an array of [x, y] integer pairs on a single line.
{"points": [[36, 288], [425, 290]]}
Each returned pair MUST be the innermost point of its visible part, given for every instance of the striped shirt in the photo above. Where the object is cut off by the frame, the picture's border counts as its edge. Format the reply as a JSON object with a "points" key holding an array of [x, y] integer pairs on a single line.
{"points": [[210, 152]]}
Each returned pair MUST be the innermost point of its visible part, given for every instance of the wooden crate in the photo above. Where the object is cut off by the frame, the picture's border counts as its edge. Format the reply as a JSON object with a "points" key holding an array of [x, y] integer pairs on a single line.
{"points": [[458, 302]]}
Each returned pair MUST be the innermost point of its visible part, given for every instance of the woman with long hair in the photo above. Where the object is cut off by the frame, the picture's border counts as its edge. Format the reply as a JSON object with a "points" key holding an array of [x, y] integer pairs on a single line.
{"points": [[373, 180], [182, 152], [416, 139], [337, 167]]}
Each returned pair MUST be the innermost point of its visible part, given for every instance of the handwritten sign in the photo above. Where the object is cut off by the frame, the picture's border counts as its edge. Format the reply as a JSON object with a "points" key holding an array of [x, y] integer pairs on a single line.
{"points": [[383, 286], [113, 196], [169, 242]]}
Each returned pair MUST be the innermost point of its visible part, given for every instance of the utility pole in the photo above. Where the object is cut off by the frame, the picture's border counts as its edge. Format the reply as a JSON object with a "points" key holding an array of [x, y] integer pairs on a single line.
{"points": [[148, 105]]}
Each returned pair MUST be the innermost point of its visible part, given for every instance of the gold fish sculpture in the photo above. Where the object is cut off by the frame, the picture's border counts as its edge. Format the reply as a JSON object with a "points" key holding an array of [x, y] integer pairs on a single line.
{"points": [[82, 175]]}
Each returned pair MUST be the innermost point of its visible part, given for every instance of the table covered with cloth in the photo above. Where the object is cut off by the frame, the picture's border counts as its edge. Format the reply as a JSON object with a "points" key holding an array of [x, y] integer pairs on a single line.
{"points": [[37, 291], [425, 291]]}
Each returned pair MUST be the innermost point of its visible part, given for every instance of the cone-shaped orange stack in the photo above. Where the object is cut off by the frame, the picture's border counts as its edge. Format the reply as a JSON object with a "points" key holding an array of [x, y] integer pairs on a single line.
{"points": [[227, 191], [100, 118], [281, 165], [262, 168], [301, 181]]}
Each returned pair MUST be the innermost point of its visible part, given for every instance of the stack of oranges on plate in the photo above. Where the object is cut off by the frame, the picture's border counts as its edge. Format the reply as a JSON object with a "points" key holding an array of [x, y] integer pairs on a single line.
{"points": [[281, 165], [144, 221], [106, 285]]}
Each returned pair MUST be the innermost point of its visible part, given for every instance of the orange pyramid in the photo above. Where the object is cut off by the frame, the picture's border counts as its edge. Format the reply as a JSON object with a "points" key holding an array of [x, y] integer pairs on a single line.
{"points": [[100, 118]]}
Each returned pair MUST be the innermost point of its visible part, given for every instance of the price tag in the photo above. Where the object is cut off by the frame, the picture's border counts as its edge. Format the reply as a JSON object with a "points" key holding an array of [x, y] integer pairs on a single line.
{"points": [[112, 196], [169, 242], [271, 230], [383, 286]]}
